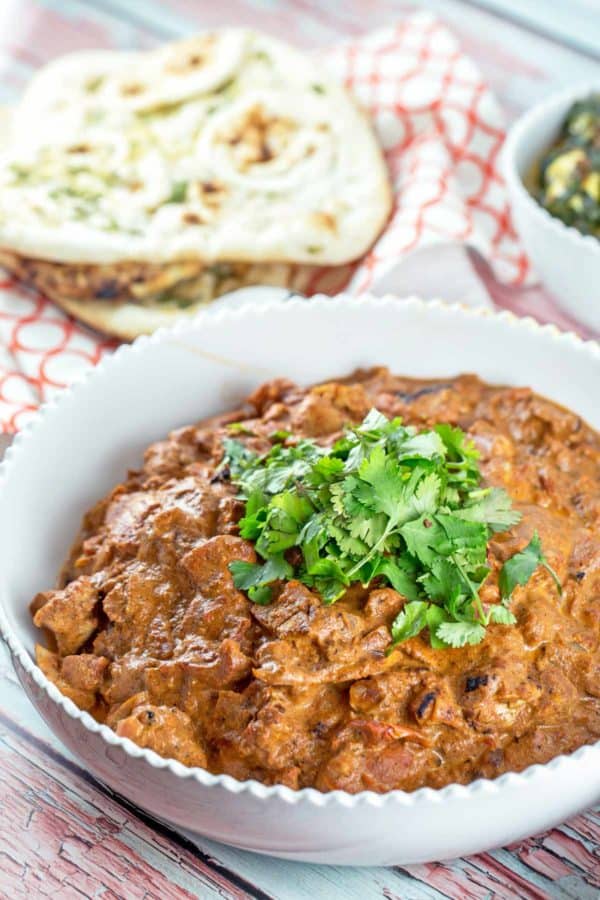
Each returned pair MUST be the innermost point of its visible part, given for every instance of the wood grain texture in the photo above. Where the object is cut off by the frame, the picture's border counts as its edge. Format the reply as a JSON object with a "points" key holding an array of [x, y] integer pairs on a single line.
{"points": [[576, 23], [63, 835], [520, 66]]}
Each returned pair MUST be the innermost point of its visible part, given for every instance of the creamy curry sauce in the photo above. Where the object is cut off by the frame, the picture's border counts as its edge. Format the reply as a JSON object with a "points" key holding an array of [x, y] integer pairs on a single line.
{"points": [[148, 632]]}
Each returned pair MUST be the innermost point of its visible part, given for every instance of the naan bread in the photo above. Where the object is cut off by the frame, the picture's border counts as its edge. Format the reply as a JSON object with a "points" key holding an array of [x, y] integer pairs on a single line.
{"points": [[138, 298], [230, 148]]}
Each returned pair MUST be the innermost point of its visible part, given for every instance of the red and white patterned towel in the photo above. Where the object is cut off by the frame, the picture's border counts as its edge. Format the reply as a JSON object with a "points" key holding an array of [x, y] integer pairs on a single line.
{"points": [[441, 130]]}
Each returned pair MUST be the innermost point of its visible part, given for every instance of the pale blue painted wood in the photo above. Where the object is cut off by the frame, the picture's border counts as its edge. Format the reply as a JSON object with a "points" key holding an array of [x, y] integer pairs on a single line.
{"points": [[521, 67], [576, 22]]}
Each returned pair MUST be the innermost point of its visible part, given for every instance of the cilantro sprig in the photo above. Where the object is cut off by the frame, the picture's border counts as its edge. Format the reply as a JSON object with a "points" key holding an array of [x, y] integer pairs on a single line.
{"points": [[520, 567], [384, 502]]}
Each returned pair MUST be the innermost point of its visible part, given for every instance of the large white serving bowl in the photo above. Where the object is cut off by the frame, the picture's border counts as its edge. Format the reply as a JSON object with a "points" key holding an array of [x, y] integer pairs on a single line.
{"points": [[83, 443], [567, 261]]}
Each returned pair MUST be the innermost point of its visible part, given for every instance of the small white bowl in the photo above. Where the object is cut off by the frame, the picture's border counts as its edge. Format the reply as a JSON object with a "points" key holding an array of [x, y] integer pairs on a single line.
{"points": [[83, 442], [567, 261]]}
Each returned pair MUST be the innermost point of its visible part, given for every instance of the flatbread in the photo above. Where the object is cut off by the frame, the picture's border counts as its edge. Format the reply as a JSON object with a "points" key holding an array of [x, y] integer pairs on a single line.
{"points": [[138, 298], [228, 147]]}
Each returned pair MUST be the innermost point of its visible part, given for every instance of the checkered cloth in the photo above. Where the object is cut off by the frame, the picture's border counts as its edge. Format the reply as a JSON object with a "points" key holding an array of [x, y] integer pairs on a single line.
{"points": [[441, 131]]}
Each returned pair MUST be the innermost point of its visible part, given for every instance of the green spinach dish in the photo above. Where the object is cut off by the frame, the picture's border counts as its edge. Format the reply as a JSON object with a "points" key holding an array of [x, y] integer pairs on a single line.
{"points": [[568, 183]]}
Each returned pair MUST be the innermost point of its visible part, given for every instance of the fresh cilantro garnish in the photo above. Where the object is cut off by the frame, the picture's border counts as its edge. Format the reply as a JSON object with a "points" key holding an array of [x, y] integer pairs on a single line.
{"points": [[255, 578], [491, 506], [384, 502], [280, 435], [520, 567], [238, 428], [457, 634], [236, 457], [410, 621]]}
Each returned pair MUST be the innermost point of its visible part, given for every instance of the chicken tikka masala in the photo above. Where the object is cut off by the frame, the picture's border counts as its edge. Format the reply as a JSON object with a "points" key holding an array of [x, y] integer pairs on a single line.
{"points": [[369, 584]]}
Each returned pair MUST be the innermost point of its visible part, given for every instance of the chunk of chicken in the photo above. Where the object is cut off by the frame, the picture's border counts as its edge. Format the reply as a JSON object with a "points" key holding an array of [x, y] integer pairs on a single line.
{"points": [[167, 731], [70, 614]]}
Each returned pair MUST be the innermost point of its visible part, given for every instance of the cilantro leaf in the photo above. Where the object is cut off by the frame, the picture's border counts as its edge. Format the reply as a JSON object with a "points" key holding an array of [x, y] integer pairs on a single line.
{"points": [[462, 456], [254, 577], [380, 484], [501, 615], [427, 493], [287, 514], [423, 445], [436, 615], [255, 517], [324, 471], [426, 539], [520, 567], [349, 544], [493, 509], [458, 634], [400, 579], [280, 435], [444, 582], [373, 422], [238, 428], [245, 575], [468, 539], [236, 457], [328, 576], [410, 621], [459, 448], [261, 594]]}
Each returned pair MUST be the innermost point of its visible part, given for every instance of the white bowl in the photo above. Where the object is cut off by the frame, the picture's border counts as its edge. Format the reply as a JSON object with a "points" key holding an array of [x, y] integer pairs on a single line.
{"points": [[83, 443], [567, 261]]}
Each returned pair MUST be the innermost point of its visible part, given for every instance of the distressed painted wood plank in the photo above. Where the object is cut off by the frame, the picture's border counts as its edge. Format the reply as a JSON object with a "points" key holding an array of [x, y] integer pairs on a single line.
{"points": [[474, 879], [520, 66], [577, 22], [588, 827], [450, 881], [36, 32], [62, 836], [551, 884], [498, 876], [571, 850]]}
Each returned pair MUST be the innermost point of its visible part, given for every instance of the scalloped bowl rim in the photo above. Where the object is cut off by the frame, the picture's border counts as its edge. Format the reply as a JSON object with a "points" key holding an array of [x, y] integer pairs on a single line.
{"points": [[227, 782], [520, 132]]}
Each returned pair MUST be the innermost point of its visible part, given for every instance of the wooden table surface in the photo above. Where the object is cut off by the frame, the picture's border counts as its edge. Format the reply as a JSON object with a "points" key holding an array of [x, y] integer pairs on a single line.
{"points": [[62, 834]]}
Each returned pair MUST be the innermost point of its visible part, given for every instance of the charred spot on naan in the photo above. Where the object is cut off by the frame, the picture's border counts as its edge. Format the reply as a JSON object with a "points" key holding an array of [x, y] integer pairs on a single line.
{"points": [[118, 281], [205, 201], [259, 136], [190, 55]]}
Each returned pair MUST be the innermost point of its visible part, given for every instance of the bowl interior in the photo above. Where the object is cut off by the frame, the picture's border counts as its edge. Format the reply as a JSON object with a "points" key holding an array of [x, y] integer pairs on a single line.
{"points": [[84, 444], [536, 138], [537, 130]]}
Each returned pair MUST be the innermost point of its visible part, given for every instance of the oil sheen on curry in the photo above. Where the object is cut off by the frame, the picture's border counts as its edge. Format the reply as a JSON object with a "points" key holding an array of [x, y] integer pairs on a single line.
{"points": [[332, 643]]}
